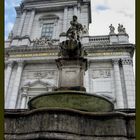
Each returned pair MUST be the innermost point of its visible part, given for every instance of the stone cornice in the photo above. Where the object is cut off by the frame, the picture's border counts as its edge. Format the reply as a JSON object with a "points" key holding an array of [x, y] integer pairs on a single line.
{"points": [[110, 47], [89, 49], [31, 49]]}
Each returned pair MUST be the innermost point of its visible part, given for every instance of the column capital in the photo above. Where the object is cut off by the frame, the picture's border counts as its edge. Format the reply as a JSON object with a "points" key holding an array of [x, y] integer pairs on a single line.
{"points": [[9, 63], [66, 7], [126, 61], [24, 11], [25, 90], [20, 63], [116, 61]]}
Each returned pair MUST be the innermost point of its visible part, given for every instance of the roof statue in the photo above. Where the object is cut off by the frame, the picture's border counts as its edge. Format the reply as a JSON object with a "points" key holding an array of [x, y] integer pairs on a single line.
{"points": [[112, 29], [121, 29]]}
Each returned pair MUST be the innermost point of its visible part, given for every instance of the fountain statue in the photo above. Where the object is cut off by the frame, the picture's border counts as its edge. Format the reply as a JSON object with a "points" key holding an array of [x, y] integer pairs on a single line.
{"points": [[71, 64]]}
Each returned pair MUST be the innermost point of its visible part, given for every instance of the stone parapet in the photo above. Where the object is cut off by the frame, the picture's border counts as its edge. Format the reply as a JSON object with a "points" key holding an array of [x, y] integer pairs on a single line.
{"points": [[69, 124]]}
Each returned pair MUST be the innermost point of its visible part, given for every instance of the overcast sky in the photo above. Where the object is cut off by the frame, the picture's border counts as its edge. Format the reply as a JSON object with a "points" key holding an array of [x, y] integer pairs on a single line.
{"points": [[104, 12]]}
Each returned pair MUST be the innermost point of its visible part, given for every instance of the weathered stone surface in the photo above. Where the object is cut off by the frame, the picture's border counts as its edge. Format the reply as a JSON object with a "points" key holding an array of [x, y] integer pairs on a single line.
{"points": [[71, 72], [69, 124], [72, 100]]}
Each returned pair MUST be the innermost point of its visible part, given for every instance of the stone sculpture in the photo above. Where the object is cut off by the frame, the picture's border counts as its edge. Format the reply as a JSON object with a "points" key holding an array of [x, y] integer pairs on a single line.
{"points": [[71, 48], [112, 29], [121, 29]]}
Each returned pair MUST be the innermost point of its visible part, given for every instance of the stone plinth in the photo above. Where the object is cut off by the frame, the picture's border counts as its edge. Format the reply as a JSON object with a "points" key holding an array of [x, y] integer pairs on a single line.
{"points": [[68, 124], [71, 73]]}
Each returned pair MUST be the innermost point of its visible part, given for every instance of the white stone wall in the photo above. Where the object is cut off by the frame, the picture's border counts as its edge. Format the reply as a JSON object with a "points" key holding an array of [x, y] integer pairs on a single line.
{"points": [[101, 79]]}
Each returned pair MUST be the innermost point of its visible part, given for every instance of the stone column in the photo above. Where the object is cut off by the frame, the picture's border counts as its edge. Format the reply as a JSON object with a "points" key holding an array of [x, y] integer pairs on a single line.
{"points": [[118, 86], [8, 76], [14, 92], [127, 65], [79, 14], [55, 29], [65, 19], [75, 11], [21, 23], [90, 80], [24, 97], [31, 22]]}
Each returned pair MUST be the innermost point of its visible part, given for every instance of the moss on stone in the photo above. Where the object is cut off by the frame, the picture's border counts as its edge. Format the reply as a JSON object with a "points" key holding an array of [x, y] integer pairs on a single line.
{"points": [[72, 100]]}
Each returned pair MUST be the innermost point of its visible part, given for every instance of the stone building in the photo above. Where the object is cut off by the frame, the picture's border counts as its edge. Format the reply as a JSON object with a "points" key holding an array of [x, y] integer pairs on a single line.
{"points": [[33, 46], [31, 54]]}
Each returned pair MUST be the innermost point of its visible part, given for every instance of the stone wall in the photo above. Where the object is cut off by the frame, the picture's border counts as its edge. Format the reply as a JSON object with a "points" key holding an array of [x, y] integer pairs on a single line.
{"points": [[68, 124]]}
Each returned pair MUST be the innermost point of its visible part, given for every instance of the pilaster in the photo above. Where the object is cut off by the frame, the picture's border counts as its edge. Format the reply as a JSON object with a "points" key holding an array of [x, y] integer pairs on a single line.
{"points": [[65, 19], [118, 86], [127, 65], [75, 11], [8, 76], [14, 93], [21, 23], [24, 97], [31, 22]]}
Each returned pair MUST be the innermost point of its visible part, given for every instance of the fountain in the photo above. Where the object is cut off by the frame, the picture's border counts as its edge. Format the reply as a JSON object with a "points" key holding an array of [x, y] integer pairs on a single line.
{"points": [[71, 93]]}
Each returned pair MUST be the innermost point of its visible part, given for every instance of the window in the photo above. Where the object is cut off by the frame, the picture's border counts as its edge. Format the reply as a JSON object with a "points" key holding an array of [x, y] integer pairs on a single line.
{"points": [[47, 30]]}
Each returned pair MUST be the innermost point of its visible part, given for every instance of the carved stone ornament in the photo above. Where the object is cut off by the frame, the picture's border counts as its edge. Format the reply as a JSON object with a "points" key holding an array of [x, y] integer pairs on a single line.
{"points": [[85, 30], [127, 61], [101, 74], [43, 41], [46, 74]]}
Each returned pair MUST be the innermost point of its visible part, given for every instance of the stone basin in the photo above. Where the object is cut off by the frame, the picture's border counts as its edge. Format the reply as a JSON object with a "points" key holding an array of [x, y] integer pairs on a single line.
{"points": [[71, 99]]}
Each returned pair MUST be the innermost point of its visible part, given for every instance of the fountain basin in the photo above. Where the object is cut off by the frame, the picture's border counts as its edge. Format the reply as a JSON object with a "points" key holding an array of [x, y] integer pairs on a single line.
{"points": [[71, 99]]}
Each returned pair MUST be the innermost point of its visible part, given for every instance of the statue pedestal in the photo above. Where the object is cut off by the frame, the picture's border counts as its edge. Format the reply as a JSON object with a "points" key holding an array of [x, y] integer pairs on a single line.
{"points": [[71, 73]]}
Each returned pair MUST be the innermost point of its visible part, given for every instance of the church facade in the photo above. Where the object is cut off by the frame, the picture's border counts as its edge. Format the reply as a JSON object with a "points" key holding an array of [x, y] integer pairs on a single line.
{"points": [[33, 47]]}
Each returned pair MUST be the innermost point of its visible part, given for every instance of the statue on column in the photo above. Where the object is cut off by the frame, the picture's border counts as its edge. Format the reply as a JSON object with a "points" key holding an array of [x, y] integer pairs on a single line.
{"points": [[71, 48]]}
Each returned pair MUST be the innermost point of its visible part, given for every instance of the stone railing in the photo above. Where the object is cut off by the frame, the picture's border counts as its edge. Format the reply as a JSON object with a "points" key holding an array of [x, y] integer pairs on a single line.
{"points": [[98, 40]]}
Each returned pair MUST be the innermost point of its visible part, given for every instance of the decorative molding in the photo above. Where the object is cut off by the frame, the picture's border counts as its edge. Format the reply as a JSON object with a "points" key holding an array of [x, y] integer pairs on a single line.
{"points": [[127, 61], [106, 73], [9, 63], [116, 61], [49, 74], [21, 63], [44, 42]]}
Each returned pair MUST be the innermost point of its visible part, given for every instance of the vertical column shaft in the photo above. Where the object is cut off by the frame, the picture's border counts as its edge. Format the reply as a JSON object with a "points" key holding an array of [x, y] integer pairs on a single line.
{"points": [[8, 76], [31, 22], [24, 98], [75, 11], [118, 86], [21, 23], [14, 93], [65, 19], [129, 81]]}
